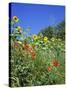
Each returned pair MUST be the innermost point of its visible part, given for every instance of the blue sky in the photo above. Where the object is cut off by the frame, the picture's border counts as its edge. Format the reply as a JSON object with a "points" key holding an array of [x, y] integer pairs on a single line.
{"points": [[37, 16]]}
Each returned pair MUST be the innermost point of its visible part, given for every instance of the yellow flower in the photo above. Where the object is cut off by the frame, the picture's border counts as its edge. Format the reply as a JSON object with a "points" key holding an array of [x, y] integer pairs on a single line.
{"points": [[15, 19], [35, 37], [45, 39]]}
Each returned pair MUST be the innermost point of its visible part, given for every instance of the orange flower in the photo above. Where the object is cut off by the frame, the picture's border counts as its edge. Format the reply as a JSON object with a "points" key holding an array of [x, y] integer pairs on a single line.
{"points": [[33, 55], [49, 68], [30, 50], [55, 63], [25, 46]]}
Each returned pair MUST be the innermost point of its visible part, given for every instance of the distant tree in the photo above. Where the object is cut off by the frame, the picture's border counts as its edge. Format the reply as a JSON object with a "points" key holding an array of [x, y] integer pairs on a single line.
{"points": [[61, 30], [49, 32], [58, 31]]}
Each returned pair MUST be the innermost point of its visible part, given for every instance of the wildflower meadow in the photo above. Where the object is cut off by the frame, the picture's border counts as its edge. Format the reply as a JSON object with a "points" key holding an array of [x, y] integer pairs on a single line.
{"points": [[36, 59]]}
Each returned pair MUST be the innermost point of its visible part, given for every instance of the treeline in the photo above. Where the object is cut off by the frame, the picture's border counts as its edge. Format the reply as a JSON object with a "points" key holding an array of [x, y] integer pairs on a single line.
{"points": [[58, 31]]}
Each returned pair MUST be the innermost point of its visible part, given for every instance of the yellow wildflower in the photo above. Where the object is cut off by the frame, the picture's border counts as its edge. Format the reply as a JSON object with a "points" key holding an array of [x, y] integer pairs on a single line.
{"points": [[15, 19], [35, 37], [45, 39]]}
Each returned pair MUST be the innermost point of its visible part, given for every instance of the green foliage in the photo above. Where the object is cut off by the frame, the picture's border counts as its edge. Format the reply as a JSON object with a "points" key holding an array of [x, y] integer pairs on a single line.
{"points": [[61, 30], [58, 31], [48, 32]]}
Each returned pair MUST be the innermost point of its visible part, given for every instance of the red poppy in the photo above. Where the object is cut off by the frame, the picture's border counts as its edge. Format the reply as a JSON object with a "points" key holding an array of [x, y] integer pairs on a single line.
{"points": [[30, 50], [33, 55], [55, 63], [26, 46]]}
